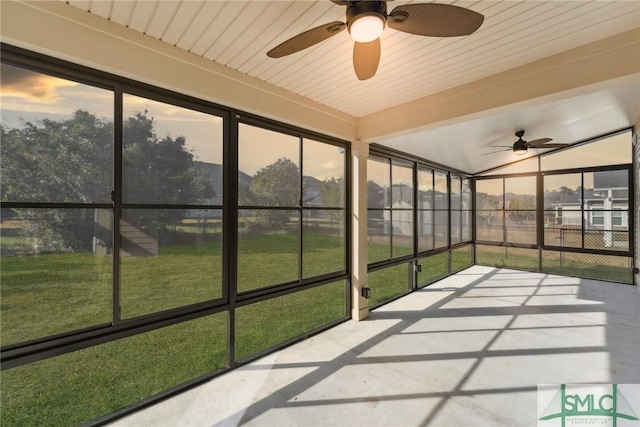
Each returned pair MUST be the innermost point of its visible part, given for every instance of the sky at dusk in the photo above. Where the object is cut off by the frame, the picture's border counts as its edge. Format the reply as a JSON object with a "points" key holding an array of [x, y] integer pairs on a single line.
{"points": [[28, 96]]}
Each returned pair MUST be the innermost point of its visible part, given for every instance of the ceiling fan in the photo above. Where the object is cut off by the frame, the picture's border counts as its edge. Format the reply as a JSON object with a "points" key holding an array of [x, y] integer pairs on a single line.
{"points": [[367, 19], [521, 146]]}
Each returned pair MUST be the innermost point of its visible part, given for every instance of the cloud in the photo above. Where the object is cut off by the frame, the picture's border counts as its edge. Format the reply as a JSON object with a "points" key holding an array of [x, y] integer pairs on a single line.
{"points": [[31, 86], [331, 164]]}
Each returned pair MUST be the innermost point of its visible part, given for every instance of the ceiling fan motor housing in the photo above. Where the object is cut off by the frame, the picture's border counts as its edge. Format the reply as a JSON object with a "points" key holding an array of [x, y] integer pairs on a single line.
{"points": [[520, 145], [359, 9]]}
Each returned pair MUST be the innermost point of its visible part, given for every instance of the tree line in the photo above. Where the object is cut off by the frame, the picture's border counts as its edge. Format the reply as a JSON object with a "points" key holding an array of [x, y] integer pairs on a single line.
{"points": [[72, 161]]}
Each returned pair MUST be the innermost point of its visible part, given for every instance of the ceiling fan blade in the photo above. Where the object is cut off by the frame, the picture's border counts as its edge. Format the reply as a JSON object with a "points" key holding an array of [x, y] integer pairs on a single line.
{"points": [[341, 2], [366, 57], [500, 146], [307, 39], [435, 20], [537, 142]]}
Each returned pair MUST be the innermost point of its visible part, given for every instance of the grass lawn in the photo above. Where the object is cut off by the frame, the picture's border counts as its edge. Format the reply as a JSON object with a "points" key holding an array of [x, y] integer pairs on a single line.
{"points": [[390, 282], [76, 387], [53, 293], [178, 276], [268, 323], [44, 295], [591, 266]]}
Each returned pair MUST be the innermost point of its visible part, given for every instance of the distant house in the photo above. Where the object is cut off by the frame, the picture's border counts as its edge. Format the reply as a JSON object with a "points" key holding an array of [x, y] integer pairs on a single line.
{"points": [[605, 208], [214, 173]]}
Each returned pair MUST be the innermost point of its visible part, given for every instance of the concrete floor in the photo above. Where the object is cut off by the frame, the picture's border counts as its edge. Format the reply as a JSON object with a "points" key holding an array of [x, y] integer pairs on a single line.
{"points": [[469, 350]]}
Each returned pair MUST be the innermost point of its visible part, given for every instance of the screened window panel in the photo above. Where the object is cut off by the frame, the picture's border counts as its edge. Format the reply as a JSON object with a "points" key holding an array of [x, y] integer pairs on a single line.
{"points": [[388, 283], [425, 230], [607, 239], [614, 150], [269, 323], [269, 168], [461, 258], [441, 194], [402, 192], [78, 387], [489, 194], [378, 183], [402, 233], [57, 140], [379, 236], [456, 193], [323, 172], [466, 194], [521, 227], [168, 260], [268, 247], [456, 227], [56, 272], [425, 189], [520, 193], [170, 154], [508, 257], [594, 266], [563, 191], [441, 228], [323, 242], [466, 226], [432, 268], [568, 234], [490, 226]]}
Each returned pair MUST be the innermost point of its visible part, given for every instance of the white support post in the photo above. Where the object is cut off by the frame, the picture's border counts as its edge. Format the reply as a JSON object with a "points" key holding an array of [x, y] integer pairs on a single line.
{"points": [[608, 219], [359, 155]]}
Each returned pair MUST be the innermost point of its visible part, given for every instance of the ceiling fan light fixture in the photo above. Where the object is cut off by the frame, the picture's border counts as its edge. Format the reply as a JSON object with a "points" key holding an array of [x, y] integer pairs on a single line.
{"points": [[520, 151], [366, 28]]}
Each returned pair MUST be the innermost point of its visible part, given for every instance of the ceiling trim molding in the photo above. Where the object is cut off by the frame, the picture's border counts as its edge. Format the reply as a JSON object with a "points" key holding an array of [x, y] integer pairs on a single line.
{"points": [[609, 60], [56, 29]]}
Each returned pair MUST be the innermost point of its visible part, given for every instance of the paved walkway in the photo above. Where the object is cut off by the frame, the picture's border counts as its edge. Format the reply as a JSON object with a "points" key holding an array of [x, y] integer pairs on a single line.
{"points": [[469, 350]]}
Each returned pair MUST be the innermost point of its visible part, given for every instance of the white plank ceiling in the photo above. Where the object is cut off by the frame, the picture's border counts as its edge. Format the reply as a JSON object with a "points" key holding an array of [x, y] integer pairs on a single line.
{"points": [[238, 34]]}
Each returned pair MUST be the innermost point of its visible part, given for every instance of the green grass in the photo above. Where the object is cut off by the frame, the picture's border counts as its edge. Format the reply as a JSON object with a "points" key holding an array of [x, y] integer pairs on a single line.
{"points": [[44, 294], [178, 276], [267, 260], [80, 386], [461, 258], [590, 266], [268, 323], [433, 268], [49, 294], [76, 387], [388, 283]]}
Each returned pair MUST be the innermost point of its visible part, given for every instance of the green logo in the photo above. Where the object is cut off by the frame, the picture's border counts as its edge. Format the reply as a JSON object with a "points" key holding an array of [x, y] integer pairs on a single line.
{"points": [[588, 403]]}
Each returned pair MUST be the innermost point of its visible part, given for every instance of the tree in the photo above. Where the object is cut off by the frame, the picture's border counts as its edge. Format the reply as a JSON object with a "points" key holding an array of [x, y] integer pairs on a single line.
{"points": [[522, 208], [66, 161], [277, 184], [71, 161], [58, 161], [332, 193], [376, 195], [159, 171]]}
